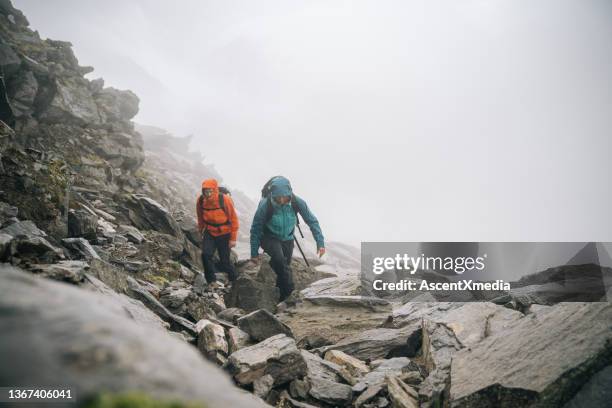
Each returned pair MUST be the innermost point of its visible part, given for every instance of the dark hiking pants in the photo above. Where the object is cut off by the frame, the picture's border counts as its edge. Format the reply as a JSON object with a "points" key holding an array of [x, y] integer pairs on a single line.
{"points": [[280, 252], [221, 244]]}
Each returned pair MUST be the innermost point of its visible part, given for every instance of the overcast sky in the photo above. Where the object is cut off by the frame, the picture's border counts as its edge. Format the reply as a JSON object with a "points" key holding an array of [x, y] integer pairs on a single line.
{"points": [[395, 120]]}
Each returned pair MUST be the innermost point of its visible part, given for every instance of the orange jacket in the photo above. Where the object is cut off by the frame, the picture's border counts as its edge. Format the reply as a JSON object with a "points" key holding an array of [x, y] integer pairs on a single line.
{"points": [[213, 218]]}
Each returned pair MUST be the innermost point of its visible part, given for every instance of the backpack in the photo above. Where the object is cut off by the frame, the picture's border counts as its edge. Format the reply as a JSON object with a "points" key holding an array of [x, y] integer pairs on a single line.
{"points": [[222, 191], [265, 193]]}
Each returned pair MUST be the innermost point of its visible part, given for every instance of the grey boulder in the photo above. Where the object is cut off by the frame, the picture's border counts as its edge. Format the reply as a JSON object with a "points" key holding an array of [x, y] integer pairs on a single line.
{"points": [[82, 223], [380, 343], [262, 324], [277, 356], [389, 367], [106, 349], [67, 271], [544, 358], [80, 248]]}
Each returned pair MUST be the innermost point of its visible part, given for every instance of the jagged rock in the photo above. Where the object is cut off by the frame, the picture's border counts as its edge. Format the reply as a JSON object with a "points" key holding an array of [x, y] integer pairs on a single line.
{"points": [[131, 233], [263, 385], [439, 346], [26, 88], [164, 246], [82, 223], [88, 340], [380, 343], [319, 368], [106, 230], [579, 332], [582, 280], [373, 303], [381, 402], [411, 377], [203, 306], [116, 105], [256, 286], [132, 266], [470, 322], [34, 248], [9, 61], [122, 150], [5, 246], [211, 341], [174, 298], [299, 388], [124, 304], [149, 287], [178, 323], [277, 356], [215, 302], [22, 228], [249, 295], [413, 312], [285, 401], [199, 283], [351, 368], [231, 314], [7, 211], [334, 286], [187, 274], [389, 367], [332, 310], [302, 274], [190, 229], [96, 85], [330, 392], [104, 215], [238, 339], [262, 324], [402, 395], [199, 326], [324, 381], [7, 112], [80, 248], [109, 274], [313, 341], [148, 214], [369, 394], [67, 271], [70, 102]]}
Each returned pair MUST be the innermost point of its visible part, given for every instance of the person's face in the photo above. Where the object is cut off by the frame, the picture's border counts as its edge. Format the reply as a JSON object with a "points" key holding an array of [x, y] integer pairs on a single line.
{"points": [[281, 200], [208, 192]]}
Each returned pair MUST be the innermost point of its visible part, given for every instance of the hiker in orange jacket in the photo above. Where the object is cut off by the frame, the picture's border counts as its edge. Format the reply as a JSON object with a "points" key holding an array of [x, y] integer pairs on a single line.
{"points": [[218, 225]]}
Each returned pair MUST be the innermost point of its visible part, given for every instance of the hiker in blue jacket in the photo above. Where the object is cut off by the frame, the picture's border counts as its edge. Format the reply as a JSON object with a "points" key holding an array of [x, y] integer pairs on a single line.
{"points": [[273, 227]]}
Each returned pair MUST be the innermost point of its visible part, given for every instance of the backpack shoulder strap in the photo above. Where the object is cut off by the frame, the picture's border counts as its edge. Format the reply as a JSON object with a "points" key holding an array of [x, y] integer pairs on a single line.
{"points": [[296, 207], [221, 201]]}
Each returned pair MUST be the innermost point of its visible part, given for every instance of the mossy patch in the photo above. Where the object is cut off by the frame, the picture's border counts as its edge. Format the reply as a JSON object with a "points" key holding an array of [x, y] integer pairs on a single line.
{"points": [[136, 400], [157, 280]]}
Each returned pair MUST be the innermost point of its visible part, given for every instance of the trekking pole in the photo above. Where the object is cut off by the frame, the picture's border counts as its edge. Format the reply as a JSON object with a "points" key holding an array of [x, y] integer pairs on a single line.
{"points": [[300, 248]]}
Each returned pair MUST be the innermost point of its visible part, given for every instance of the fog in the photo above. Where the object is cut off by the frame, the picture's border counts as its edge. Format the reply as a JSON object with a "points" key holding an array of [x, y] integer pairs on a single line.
{"points": [[395, 120]]}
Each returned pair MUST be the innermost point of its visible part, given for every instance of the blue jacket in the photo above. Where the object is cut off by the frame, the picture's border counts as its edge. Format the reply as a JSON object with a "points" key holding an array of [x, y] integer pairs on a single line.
{"points": [[283, 220]]}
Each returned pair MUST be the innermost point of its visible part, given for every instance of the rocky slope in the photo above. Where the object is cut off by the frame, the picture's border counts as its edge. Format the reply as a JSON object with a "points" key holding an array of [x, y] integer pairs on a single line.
{"points": [[101, 284]]}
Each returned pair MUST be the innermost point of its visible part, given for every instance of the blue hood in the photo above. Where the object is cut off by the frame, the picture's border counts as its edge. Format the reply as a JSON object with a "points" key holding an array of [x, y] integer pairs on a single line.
{"points": [[280, 186]]}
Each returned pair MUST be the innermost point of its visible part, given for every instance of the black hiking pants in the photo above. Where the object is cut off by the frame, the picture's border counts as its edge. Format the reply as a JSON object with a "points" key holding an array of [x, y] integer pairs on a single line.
{"points": [[280, 252], [221, 244]]}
